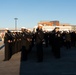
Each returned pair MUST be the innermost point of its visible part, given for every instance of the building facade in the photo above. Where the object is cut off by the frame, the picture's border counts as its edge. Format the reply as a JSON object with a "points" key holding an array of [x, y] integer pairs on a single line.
{"points": [[50, 25]]}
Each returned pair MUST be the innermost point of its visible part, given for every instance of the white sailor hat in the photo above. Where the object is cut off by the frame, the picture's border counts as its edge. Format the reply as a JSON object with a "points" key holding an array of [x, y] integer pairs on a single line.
{"points": [[29, 29], [40, 25], [22, 27], [6, 28]]}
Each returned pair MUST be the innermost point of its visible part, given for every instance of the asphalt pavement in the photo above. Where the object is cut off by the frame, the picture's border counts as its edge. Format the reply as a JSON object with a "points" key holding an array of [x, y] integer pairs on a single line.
{"points": [[66, 65]]}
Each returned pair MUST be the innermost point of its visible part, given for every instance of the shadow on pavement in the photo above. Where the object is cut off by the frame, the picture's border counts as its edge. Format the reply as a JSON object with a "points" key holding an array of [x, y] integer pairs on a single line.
{"points": [[32, 67], [2, 46], [50, 66]]}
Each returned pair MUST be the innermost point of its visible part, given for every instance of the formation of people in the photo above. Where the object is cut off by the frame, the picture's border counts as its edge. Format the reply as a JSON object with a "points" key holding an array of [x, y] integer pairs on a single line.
{"points": [[25, 40]]}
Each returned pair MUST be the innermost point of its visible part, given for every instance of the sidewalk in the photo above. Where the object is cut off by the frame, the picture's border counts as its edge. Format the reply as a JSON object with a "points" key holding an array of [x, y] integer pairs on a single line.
{"points": [[66, 65]]}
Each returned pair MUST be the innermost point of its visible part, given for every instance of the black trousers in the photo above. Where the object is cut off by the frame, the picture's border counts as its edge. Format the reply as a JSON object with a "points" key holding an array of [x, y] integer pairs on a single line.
{"points": [[24, 53], [68, 44], [39, 52], [56, 51], [8, 51]]}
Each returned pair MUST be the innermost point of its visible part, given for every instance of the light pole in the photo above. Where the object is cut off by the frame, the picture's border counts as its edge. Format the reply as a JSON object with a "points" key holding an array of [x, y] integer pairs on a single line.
{"points": [[16, 23]]}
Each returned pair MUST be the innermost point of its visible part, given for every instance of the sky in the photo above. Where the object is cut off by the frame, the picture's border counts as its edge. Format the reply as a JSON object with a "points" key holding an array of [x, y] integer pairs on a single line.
{"points": [[30, 12]]}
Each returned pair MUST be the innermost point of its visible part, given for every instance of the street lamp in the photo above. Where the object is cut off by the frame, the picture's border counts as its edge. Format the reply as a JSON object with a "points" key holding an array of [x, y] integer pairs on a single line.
{"points": [[16, 23]]}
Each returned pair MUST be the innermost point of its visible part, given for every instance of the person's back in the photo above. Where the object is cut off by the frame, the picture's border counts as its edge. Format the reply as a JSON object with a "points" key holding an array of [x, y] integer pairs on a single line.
{"points": [[39, 36], [56, 41], [68, 37], [68, 40]]}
